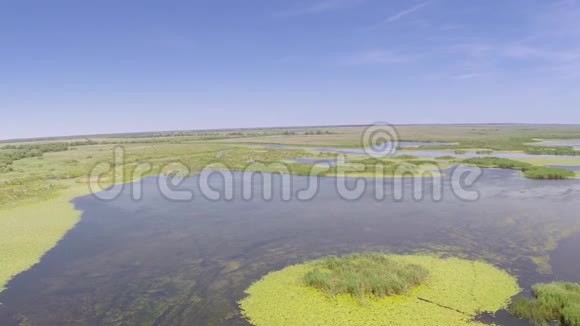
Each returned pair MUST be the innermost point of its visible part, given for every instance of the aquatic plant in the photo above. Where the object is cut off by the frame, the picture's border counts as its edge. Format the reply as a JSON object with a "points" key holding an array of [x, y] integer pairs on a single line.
{"points": [[454, 293], [551, 302], [28, 231], [363, 275]]}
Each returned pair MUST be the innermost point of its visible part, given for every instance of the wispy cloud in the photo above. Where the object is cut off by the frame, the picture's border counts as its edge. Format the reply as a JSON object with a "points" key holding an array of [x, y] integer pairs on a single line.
{"points": [[395, 17], [320, 7], [406, 12], [382, 57]]}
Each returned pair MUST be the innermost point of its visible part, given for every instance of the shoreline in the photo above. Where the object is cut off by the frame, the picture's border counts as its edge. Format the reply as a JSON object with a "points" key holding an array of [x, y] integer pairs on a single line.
{"points": [[28, 235]]}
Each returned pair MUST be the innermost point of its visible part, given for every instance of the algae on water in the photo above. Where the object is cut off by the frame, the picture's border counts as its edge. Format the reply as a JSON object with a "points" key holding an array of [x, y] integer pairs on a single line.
{"points": [[455, 292]]}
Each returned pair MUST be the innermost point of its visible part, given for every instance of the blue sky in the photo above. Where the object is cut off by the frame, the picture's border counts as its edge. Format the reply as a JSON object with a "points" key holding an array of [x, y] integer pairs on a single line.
{"points": [[82, 67]]}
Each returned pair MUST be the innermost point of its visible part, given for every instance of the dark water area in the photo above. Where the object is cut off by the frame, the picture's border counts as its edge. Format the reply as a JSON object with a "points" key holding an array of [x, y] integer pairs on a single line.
{"points": [[161, 262]]}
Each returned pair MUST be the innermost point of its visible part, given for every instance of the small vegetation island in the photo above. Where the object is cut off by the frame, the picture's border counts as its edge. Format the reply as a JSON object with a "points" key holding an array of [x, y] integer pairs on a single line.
{"points": [[361, 275], [560, 150], [379, 289], [554, 302], [529, 171]]}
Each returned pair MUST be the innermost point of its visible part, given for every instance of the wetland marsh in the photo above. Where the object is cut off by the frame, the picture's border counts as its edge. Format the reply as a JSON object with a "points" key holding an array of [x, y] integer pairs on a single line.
{"points": [[290, 163], [157, 261]]}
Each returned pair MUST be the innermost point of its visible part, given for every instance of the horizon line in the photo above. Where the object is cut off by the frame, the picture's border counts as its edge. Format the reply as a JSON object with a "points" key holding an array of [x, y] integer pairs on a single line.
{"points": [[152, 132]]}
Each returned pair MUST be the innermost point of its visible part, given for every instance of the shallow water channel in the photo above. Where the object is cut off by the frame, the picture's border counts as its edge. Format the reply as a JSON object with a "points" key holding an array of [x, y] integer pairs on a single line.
{"points": [[162, 262], [431, 153]]}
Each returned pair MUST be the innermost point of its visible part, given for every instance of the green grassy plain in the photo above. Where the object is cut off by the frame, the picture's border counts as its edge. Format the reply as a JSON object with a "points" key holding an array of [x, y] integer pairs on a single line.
{"points": [[490, 137]]}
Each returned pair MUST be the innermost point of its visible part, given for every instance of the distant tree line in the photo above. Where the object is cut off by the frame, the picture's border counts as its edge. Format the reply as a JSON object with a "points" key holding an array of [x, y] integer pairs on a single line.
{"points": [[318, 132], [42, 147], [310, 132], [85, 142], [12, 153]]}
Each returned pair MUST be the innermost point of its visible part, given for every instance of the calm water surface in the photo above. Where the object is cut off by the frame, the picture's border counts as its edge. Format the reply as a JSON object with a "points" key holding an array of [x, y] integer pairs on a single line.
{"points": [[158, 262]]}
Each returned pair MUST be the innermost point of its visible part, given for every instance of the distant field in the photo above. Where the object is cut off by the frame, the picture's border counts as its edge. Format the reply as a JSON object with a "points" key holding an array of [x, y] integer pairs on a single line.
{"points": [[37, 177], [501, 137]]}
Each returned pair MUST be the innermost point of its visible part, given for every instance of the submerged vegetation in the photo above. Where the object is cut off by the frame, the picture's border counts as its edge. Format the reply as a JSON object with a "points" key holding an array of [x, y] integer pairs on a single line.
{"points": [[530, 171], [454, 293], [35, 186], [551, 302], [35, 212], [363, 275]]}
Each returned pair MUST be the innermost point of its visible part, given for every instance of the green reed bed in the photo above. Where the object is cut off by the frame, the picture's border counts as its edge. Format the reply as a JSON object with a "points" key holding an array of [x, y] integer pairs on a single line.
{"points": [[363, 275], [548, 173], [554, 302]]}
